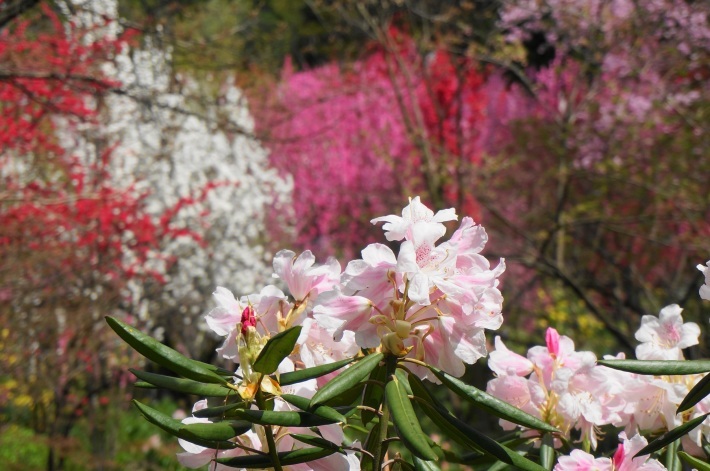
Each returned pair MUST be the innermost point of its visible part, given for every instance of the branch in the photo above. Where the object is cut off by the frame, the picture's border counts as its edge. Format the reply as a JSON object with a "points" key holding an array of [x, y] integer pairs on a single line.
{"points": [[12, 10]]}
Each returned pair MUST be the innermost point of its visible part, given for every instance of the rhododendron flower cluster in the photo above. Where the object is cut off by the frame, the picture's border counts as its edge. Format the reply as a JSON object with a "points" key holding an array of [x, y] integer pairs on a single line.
{"points": [[431, 302], [569, 390]]}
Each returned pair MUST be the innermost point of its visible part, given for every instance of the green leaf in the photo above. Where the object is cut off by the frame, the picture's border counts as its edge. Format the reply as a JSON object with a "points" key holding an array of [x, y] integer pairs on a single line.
{"points": [[317, 441], [491, 404], [347, 379], [305, 374], [174, 427], [695, 395], [219, 411], [671, 436], [348, 398], [467, 435], [659, 367], [406, 421], [163, 355], [373, 394], [286, 458], [422, 465], [322, 411], [186, 386], [283, 418], [694, 462], [276, 349], [217, 431]]}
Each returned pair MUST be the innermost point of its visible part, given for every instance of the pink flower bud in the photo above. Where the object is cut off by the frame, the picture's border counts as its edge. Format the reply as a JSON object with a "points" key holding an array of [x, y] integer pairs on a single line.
{"points": [[553, 341], [618, 456], [248, 319]]}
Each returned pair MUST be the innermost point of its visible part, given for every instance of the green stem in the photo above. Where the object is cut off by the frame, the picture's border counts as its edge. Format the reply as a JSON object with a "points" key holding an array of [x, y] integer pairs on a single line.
{"points": [[547, 452], [672, 461], [273, 453], [380, 445]]}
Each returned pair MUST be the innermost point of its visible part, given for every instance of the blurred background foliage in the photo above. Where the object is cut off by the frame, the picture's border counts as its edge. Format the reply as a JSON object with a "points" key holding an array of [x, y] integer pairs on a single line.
{"points": [[574, 131]]}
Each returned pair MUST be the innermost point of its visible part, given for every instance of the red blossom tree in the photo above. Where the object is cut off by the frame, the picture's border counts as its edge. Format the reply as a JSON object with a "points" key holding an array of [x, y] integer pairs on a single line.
{"points": [[73, 242]]}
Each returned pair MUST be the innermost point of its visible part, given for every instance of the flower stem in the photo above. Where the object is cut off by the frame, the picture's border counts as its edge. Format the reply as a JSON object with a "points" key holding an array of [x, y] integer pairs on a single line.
{"points": [[273, 453], [380, 445]]}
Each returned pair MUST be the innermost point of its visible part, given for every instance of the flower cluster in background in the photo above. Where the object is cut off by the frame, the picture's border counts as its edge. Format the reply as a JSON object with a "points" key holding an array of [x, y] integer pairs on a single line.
{"points": [[568, 389]]}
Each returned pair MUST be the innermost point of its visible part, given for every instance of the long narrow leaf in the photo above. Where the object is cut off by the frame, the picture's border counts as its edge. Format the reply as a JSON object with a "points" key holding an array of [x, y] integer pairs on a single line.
{"points": [[283, 418], [287, 458], [695, 395], [317, 441], [491, 404], [162, 354], [305, 374], [373, 394], [217, 431], [174, 427], [671, 436], [659, 367], [347, 379], [423, 465], [407, 422], [219, 411], [472, 438], [322, 411], [182, 385], [276, 349], [694, 462]]}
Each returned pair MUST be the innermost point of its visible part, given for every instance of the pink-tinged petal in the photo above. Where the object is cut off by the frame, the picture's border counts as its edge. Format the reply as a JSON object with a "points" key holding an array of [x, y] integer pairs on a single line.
{"points": [[664, 336], [469, 238], [378, 254], [225, 299], [439, 349], [301, 277], [624, 457], [194, 460], [229, 349], [336, 313], [370, 277], [419, 289], [579, 460], [445, 215], [503, 361], [705, 289], [398, 228], [424, 235], [520, 392], [407, 259], [224, 318], [470, 345]]}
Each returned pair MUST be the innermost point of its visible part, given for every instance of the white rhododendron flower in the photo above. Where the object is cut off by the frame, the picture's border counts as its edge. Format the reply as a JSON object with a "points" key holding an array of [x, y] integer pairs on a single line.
{"points": [[664, 337], [705, 289], [432, 301], [396, 227]]}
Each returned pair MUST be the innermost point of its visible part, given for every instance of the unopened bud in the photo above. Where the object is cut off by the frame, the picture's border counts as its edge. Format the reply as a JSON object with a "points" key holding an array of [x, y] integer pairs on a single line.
{"points": [[248, 319]]}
